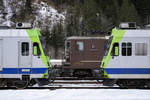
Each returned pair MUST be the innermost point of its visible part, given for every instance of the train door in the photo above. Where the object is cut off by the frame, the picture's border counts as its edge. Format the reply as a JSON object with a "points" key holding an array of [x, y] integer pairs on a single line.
{"points": [[1, 52], [78, 56], [37, 62], [25, 54], [93, 54], [68, 51], [115, 61]]}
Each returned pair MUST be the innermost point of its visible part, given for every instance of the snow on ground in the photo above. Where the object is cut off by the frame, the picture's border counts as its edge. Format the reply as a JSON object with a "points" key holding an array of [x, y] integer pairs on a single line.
{"points": [[57, 61], [75, 94]]}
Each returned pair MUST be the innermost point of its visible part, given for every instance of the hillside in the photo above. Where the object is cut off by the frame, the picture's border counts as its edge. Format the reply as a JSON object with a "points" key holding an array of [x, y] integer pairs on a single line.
{"points": [[59, 19]]}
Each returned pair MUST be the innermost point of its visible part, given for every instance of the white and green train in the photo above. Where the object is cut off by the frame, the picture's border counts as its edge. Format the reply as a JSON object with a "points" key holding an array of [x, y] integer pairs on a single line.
{"points": [[127, 57], [22, 59], [126, 61]]}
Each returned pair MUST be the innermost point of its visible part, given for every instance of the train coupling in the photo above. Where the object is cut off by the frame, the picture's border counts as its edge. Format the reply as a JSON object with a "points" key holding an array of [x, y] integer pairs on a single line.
{"points": [[99, 73]]}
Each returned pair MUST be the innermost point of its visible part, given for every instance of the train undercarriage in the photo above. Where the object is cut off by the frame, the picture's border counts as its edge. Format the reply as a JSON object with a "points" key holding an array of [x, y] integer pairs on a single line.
{"points": [[128, 83], [56, 74], [121, 83]]}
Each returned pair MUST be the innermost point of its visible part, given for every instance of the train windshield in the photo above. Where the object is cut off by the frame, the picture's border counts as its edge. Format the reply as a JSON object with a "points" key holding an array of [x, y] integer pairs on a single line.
{"points": [[43, 43], [107, 45], [67, 45]]}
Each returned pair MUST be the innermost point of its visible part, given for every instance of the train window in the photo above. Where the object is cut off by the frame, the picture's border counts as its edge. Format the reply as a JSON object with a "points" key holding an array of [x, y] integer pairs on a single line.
{"points": [[93, 46], [80, 46], [67, 46], [115, 49], [25, 48], [126, 49], [36, 49], [129, 49], [140, 49]]}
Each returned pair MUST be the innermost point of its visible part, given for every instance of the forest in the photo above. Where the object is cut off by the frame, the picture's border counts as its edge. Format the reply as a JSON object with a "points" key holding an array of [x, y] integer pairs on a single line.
{"points": [[83, 17], [98, 17]]}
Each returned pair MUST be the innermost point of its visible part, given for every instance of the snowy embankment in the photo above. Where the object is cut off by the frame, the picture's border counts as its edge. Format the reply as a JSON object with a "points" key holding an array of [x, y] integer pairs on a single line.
{"points": [[57, 61], [75, 94]]}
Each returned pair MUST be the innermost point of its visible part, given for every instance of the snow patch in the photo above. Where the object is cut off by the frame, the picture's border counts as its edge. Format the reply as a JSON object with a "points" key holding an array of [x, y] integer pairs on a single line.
{"points": [[45, 15], [57, 61], [48, 15], [76, 94], [8, 10]]}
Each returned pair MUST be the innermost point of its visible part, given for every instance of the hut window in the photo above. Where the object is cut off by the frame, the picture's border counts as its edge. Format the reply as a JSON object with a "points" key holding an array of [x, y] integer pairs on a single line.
{"points": [[80, 46], [93, 46]]}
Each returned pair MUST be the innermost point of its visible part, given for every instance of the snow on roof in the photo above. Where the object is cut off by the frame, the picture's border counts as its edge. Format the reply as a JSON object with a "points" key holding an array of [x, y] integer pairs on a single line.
{"points": [[13, 33], [132, 32], [18, 32], [137, 33], [78, 37]]}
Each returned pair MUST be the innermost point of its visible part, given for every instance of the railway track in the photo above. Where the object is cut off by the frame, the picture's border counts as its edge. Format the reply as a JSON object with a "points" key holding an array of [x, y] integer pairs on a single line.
{"points": [[68, 84], [54, 88], [76, 78], [71, 84], [77, 82]]}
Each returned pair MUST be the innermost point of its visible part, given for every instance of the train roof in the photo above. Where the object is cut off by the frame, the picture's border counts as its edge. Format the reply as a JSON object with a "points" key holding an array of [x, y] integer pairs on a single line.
{"points": [[131, 32], [19, 32], [84, 38]]}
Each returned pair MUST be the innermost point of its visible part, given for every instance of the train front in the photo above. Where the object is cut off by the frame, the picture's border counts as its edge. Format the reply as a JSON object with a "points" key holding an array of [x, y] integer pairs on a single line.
{"points": [[40, 60], [111, 51]]}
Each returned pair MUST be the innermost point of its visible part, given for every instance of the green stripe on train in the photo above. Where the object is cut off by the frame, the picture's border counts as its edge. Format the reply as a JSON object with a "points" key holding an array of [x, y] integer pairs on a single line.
{"points": [[117, 37], [34, 36]]}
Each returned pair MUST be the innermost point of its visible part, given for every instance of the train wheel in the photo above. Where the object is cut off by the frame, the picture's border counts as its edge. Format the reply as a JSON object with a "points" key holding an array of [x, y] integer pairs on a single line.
{"points": [[147, 83], [9, 84], [81, 73], [32, 82], [126, 84], [131, 84], [21, 84], [51, 80], [98, 81]]}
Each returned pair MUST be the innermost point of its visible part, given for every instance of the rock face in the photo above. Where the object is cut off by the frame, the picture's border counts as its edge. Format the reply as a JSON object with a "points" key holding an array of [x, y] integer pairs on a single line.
{"points": [[39, 13]]}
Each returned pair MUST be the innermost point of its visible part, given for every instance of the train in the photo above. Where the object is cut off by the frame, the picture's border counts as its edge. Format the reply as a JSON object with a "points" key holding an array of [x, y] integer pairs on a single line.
{"points": [[121, 58], [127, 57], [22, 59], [83, 56]]}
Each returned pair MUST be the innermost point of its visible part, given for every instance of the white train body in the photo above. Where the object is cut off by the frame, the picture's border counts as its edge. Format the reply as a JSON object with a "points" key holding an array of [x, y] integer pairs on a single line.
{"points": [[21, 54], [127, 54]]}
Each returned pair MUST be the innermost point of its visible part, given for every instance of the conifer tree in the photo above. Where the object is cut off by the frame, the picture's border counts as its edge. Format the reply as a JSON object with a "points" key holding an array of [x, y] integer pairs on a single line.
{"points": [[1, 11], [56, 38], [91, 17], [73, 19], [28, 7], [128, 12], [116, 12]]}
